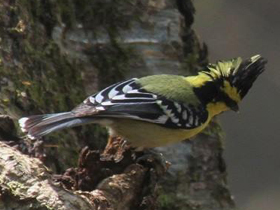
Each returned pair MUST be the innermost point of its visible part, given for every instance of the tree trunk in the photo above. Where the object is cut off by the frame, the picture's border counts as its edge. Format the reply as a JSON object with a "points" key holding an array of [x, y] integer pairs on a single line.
{"points": [[55, 53]]}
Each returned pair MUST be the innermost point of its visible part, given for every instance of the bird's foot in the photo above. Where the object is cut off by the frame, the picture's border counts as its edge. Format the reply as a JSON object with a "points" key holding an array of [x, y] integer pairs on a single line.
{"points": [[114, 150]]}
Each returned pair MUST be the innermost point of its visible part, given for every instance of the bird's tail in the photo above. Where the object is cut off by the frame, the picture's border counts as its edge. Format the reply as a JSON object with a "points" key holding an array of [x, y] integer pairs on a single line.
{"points": [[37, 126]]}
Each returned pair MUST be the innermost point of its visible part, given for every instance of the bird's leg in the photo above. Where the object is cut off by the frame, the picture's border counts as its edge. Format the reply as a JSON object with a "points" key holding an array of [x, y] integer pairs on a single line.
{"points": [[114, 149]]}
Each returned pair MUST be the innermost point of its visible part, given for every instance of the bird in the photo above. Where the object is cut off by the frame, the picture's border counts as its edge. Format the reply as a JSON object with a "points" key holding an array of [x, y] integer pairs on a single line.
{"points": [[158, 110]]}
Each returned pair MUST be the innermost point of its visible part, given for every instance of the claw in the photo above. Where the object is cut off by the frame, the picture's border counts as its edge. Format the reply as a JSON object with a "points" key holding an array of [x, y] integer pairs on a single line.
{"points": [[114, 149]]}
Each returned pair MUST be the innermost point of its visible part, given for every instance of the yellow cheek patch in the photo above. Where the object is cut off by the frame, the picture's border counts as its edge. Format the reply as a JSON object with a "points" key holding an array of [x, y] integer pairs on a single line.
{"points": [[231, 91]]}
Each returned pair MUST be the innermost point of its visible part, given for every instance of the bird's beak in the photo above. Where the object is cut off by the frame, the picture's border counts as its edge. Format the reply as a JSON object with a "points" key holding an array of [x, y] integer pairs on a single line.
{"points": [[235, 108]]}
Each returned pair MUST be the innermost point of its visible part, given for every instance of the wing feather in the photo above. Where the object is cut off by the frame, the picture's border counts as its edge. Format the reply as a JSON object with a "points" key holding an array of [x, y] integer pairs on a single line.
{"points": [[129, 100]]}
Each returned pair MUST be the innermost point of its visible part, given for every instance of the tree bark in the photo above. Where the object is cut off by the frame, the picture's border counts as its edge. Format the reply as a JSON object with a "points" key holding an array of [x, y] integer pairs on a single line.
{"points": [[26, 183], [55, 53]]}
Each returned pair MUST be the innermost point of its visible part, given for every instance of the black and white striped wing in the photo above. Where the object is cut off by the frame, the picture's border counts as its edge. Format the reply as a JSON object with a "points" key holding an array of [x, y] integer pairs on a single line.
{"points": [[129, 100]]}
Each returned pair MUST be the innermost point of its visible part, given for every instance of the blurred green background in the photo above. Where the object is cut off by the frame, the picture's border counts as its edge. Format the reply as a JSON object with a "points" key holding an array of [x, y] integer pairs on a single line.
{"points": [[244, 28]]}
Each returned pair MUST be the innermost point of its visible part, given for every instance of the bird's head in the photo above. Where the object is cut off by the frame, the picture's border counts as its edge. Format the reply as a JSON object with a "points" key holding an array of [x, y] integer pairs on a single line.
{"points": [[227, 82]]}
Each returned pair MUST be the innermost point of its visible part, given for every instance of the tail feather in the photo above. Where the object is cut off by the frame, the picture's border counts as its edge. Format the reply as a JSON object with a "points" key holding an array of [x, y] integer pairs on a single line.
{"points": [[39, 125]]}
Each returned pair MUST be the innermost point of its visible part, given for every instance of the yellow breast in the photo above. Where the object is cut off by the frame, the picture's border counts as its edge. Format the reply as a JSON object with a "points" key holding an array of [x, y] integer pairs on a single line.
{"points": [[145, 134]]}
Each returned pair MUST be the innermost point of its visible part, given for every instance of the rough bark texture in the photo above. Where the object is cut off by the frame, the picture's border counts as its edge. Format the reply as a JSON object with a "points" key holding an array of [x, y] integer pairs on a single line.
{"points": [[25, 183], [53, 54]]}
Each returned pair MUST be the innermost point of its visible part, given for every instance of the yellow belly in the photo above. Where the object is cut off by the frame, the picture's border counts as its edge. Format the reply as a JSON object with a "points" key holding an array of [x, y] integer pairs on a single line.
{"points": [[144, 134]]}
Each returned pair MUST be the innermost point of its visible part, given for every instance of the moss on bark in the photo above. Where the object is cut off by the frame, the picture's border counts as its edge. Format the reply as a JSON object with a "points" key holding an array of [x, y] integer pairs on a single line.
{"points": [[37, 77]]}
